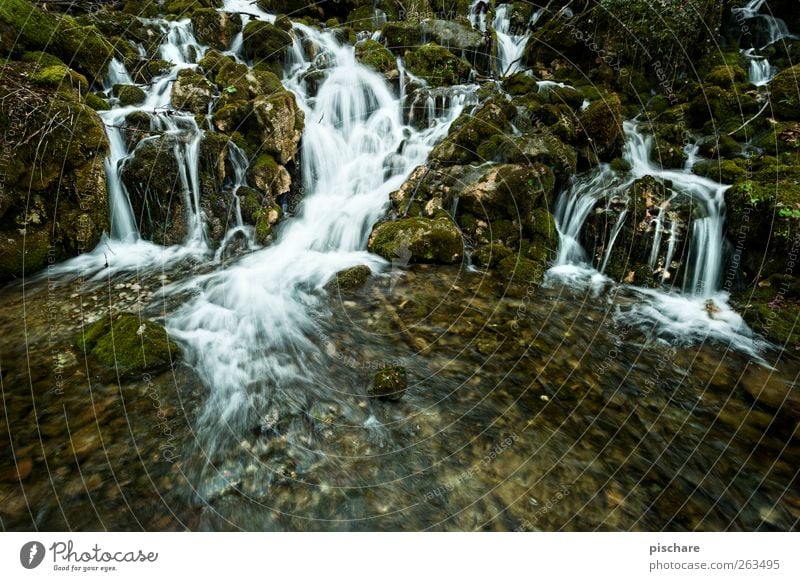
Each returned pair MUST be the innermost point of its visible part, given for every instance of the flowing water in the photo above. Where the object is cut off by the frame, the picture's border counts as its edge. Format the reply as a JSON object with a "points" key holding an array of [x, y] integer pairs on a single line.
{"points": [[511, 43], [569, 407]]}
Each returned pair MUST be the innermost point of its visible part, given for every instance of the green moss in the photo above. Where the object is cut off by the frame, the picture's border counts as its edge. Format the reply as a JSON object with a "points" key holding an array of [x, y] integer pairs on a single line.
{"points": [[418, 239], [352, 278], [469, 132], [97, 103], [785, 93], [726, 76], [437, 65], [490, 255], [129, 343], [519, 84], [521, 270], [401, 36], [620, 165], [773, 310], [602, 123], [389, 383], [373, 54], [266, 44], [60, 75], [129, 95], [25, 253], [143, 8], [42, 59]]}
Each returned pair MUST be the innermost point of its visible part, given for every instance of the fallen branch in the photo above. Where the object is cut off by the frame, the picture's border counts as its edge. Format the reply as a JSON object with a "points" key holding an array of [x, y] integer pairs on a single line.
{"points": [[746, 123]]}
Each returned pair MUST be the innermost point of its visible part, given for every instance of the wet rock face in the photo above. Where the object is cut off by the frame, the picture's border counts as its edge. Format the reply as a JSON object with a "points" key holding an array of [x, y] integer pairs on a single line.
{"points": [[641, 235], [53, 203], [602, 123], [151, 177]]}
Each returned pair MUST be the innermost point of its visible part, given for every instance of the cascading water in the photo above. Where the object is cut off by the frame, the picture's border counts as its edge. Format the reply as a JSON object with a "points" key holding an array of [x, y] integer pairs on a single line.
{"points": [[510, 44], [700, 310], [760, 72], [249, 331]]}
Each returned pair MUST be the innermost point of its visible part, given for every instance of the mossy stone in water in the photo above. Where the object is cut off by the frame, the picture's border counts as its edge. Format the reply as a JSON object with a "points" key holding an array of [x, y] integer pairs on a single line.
{"points": [[602, 124], [389, 383], [521, 270], [418, 240], [373, 54], [129, 94], [96, 103], [129, 343], [437, 65], [351, 278]]}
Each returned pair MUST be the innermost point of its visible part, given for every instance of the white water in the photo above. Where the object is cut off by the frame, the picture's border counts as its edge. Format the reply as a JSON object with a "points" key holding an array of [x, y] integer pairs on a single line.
{"points": [[510, 47], [759, 71], [701, 311], [250, 329], [477, 14], [776, 28]]}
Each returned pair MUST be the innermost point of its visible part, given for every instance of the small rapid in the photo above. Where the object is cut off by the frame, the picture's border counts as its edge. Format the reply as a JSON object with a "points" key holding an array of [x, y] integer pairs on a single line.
{"points": [[696, 311], [250, 330]]}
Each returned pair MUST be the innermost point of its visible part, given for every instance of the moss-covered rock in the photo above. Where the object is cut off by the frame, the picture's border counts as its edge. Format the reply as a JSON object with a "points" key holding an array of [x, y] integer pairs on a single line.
{"points": [[279, 125], [269, 176], [58, 76], [437, 65], [726, 76], [521, 270], [53, 203], [152, 178], [772, 309], [214, 28], [128, 343], [351, 279], [490, 255], [785, 93], [26, 28], [469, 131], [401, 36], [389, 383], [129, 95], [191, 91], [419, 239], [602, 123], [266, 45], [96, 102], [373, 54]]}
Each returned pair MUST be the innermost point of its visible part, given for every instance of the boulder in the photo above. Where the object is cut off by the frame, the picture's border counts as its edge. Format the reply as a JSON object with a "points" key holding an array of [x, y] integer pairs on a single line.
{"points": [[601, 122], [214, 28], [437, 65], [389, 383], [266, 45], [128, 343], [785, 93], [421, 240], [373, 54], [192, 92]]}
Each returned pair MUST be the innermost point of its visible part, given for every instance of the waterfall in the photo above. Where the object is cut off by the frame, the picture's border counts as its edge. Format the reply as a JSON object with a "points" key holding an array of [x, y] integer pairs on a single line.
{"points": [[510, 46], [249, 330], [699, 311], [775, 28], [477, 14]]}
